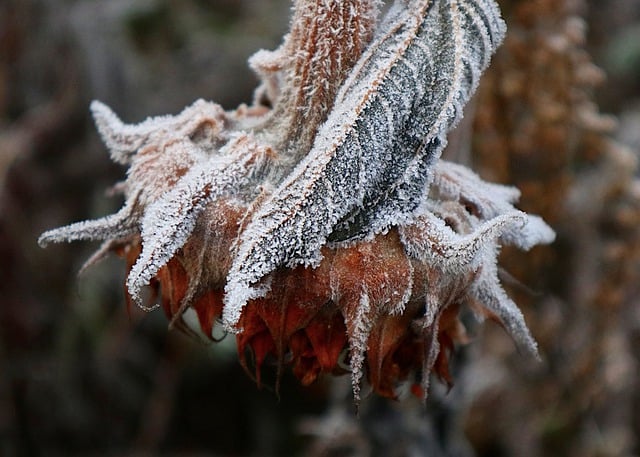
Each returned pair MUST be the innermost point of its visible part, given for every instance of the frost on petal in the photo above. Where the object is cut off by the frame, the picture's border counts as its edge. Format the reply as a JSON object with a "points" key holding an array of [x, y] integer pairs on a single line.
{"points": [[456, 237], [359, 328], [482, 201], [118, 225], [489, 294], [535, 231], [124, 140], [456, 260], [268, 66], [160, 151], [452, 181], [158, 167], [303, 75], [430, 240], [433, 79], [371, 159], [168, 222], [369, 281], [484, 218]]}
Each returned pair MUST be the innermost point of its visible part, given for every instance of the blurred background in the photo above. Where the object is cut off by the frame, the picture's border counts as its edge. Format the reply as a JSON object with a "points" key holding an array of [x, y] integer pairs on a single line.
{"points": [[79, 375]]}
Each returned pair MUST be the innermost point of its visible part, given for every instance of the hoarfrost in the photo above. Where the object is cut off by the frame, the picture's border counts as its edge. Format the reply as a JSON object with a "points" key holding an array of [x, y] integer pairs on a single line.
{"points": [[119, 225], [371, 159], [484, 201], [489, 293], [168, 222], [358, 336], [432, 242], [124, 140], [389, 100]]}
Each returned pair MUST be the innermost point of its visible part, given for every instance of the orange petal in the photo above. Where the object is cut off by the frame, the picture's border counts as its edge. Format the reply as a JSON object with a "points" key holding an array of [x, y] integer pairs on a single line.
{"points": [[384, 339], [209, 308], [328, 337]]}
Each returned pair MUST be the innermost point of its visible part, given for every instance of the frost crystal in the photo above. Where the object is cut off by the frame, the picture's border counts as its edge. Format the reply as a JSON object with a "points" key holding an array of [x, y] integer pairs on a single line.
{"points": [[321, 219]]}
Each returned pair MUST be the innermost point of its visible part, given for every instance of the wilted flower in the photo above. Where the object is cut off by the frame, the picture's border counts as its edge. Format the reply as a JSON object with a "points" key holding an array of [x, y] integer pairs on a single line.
{"points": [[319, 224]]}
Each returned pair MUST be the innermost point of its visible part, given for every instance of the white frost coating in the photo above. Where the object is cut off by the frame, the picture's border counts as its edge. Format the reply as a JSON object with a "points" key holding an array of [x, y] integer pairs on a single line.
{"points": [[488, 291], [166, 219], [534, 232], [169, 221], [454, 180], [359, 149], [403, 193], [358, 342], [265, 62], [432, 242], [170, 135], [124, 140], [491, 219], [373, 165], [457, 183], [118, 225], [268, 67]]}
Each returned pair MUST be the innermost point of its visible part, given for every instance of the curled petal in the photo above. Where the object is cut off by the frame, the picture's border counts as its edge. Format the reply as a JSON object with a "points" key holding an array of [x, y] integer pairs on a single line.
{"points": [[120, 225], [124, 140], [488, 294]]}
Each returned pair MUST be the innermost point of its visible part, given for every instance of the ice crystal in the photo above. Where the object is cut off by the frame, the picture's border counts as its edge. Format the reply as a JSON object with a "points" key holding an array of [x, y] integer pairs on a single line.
{"points": [[321, 218]]}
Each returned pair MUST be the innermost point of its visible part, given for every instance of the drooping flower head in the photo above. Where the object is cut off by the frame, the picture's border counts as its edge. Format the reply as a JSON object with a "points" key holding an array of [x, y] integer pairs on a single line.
{"points": [[319, 224]]}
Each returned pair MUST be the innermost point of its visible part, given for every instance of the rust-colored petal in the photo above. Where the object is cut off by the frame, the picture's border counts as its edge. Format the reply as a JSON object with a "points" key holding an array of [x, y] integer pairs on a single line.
{"points": [[328, 337], [174, 284], [384, 339], [305, 365], [255, 338], [209, 308]]}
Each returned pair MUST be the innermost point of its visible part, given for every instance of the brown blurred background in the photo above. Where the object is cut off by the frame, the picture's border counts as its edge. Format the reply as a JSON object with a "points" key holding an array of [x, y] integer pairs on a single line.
{"points": [[81, 376]]}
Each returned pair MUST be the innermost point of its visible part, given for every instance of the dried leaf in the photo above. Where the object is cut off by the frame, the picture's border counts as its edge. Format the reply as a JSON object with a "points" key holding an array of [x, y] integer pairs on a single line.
{"points": [[371, 160]]}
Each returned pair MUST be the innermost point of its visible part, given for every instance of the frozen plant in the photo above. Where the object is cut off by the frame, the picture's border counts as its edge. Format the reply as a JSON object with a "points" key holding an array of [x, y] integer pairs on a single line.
{"points": [[319, 224]]}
